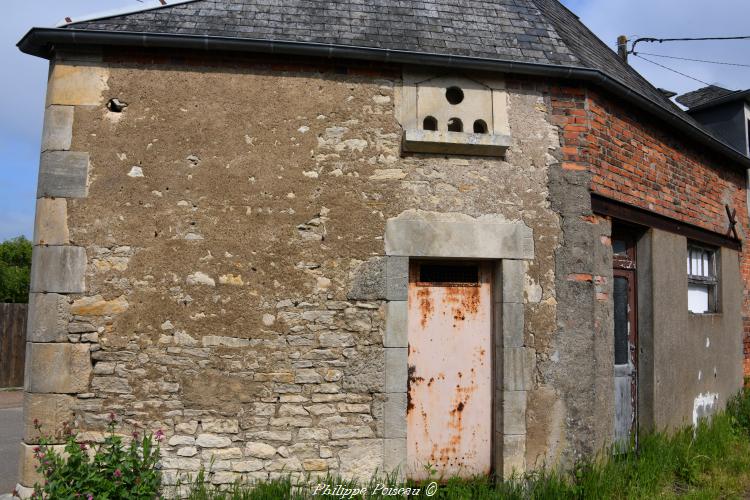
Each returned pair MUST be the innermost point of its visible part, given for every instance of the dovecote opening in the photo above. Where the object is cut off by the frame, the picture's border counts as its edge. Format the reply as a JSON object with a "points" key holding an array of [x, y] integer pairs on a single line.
{"points": [[455, 125], [430, 123], [480, 127], [454, 95]]}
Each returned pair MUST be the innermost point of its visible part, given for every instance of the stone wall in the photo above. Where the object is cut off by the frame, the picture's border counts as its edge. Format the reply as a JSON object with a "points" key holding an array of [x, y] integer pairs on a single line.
{"points": [[218, 258]]}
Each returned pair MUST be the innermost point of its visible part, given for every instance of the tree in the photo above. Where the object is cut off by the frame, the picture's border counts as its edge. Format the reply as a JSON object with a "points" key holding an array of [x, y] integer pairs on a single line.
{"points": [[15, 270]]}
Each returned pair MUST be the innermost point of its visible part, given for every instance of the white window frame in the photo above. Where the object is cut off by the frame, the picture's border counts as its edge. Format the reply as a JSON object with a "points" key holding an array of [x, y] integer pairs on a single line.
{"points": [[703, 273]]}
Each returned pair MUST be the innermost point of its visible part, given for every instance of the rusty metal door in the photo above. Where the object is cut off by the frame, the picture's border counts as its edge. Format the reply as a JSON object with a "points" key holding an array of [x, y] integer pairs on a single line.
{"points": [[626, 336], [449, 410]]}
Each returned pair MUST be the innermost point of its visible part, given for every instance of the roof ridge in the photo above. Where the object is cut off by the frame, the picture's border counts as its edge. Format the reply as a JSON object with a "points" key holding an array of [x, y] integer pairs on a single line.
{"points": [[107, 14]]}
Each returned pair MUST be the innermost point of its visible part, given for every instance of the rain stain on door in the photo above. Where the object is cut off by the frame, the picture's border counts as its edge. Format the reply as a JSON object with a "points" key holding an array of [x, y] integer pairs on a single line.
{"points": [[449, 417]]}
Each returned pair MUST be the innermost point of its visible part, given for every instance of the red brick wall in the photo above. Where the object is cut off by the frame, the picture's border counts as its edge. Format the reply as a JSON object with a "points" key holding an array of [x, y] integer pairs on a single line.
{"points": [[637, 160]]}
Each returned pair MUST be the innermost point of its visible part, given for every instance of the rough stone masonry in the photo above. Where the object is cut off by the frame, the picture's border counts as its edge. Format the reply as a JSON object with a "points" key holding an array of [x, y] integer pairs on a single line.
{"points": [[210, 261]]}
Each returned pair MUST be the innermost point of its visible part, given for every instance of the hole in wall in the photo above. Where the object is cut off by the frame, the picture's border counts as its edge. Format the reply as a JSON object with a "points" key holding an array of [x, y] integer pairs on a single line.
{"points": [[430, 123], [455, 125], [480, 127], [454, 95], [116, 106]]}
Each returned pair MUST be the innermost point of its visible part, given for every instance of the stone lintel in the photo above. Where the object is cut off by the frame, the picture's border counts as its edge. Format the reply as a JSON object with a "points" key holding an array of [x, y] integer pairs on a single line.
{"points": [[428, 234]]}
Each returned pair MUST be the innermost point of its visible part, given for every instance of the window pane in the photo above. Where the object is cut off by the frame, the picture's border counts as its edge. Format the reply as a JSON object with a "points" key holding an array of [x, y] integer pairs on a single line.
{"points": [[706, 269], [619, 247], [698, 298], [620, 300]]}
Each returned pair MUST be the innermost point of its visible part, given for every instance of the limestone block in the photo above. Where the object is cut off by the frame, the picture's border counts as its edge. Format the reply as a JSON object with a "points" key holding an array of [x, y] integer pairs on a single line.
{"points": [[58, 128], [394, 456], [50, 411], [57, 368], [212, 441], [27, 474], [63, 174], [518, 365], [77, 85], [395, 369], [514, 454], [397, 278], [514, 412], [51, 222], [513, 322], [58, 269], [394, 415], [417, 233], [49, 314], [396, 332], [361, 460], [513, 280], [98, 306], [369, 280]]}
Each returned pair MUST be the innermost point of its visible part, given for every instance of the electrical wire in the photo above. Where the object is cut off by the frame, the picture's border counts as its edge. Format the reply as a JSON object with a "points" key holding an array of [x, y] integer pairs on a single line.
{"points": [[699, 39], [694, 60], [671, 69]]}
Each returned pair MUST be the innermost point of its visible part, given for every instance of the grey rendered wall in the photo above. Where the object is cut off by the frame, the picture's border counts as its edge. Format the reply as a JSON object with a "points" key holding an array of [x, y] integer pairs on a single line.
{"points": [[697, 358], [728, 122]]}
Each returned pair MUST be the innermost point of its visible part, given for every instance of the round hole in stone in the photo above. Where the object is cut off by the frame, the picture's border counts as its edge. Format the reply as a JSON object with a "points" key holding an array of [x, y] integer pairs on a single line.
{"points": [[480, 127], [430, 123], [454, 95], [455, 125]]}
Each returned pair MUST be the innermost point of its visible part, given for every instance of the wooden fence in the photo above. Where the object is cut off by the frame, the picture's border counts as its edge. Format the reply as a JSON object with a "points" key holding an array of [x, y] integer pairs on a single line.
{"points": [[12, 343]]}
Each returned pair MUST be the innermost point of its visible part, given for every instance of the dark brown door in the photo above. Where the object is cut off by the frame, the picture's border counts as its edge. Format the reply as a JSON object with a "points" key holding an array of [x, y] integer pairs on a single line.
{"points": [[626, 335]]}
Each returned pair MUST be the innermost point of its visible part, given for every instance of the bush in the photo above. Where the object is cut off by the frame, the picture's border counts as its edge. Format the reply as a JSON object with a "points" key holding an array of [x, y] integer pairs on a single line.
{"points": [[15, 270], [109, 471]]}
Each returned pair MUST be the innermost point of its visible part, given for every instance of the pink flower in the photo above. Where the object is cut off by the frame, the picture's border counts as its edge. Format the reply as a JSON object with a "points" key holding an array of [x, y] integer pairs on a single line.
{"points": [[82, 446], [112, 417], [159, 435], [118, 473], [135, 434], [90, 497]]}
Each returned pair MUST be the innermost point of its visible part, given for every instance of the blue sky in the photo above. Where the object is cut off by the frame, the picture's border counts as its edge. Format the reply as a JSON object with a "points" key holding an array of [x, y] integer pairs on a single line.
{"points": [[22, 88]]}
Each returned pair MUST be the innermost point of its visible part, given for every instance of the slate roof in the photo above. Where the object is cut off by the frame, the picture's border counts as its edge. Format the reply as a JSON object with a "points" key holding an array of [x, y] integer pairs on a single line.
{"points": [[706, 95], [541, 32], [535, 31], [506, 29]]}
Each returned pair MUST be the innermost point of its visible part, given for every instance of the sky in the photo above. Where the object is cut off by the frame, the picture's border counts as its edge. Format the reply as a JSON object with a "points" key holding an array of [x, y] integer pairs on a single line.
{"points": [[22, 89]]}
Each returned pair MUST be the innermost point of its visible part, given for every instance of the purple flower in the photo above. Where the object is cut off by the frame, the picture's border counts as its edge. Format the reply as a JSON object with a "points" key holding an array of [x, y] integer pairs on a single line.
{"points": [[118, 474], [90, 497], [159, 435]]}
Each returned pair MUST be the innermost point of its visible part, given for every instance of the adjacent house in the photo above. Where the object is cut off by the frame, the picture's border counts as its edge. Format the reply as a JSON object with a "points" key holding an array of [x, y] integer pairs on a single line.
{"points": [[352, 237]]}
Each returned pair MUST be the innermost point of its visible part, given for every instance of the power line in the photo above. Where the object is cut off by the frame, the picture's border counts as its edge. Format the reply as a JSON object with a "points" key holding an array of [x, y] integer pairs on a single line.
{"points": [[672, 70], [694, 60], [687, 39]]}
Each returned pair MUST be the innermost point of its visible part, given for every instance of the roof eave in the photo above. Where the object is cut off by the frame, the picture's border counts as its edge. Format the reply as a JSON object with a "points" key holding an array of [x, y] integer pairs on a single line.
{"points": [[40, 42], [743, 95]]}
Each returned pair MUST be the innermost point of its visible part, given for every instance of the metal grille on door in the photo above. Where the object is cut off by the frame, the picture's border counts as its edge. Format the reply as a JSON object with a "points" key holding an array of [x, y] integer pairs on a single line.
{"points": [[449, 409]]}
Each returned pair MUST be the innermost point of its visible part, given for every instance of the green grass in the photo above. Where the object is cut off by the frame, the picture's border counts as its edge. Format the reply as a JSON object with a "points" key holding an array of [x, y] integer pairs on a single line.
{"points": [[708, 462]]}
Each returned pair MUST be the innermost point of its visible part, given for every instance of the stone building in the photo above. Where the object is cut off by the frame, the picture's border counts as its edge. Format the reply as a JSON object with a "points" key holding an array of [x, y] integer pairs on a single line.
{"points": [[348, 237]]}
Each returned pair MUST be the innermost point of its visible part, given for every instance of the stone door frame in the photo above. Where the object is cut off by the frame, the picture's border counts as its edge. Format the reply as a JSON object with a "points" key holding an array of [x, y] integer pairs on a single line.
{"points": [[454, 236]]}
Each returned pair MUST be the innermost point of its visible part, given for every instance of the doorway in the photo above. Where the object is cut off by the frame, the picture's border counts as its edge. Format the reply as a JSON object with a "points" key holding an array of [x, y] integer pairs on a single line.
{"points": [[449, 394], [624, 299]]}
